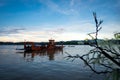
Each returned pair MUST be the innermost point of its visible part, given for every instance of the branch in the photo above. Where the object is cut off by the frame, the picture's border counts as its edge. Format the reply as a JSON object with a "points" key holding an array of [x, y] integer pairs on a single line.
{"points": [[108, 56], [98, 72]]}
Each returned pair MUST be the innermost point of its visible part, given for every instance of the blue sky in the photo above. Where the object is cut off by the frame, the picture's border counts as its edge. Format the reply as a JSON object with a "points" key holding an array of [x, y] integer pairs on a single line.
{"points": [[40, 20]]}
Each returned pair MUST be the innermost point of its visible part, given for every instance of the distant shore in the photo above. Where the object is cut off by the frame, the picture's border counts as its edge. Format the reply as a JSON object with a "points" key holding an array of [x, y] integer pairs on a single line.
{"points": [[73, 42]]}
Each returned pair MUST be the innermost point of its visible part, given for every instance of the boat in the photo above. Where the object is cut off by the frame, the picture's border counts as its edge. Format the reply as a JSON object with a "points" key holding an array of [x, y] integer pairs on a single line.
{"points": [[30, 46]]}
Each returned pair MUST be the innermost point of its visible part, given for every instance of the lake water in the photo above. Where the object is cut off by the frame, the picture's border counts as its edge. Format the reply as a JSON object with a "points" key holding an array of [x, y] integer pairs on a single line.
{"points": [[47, 65]]}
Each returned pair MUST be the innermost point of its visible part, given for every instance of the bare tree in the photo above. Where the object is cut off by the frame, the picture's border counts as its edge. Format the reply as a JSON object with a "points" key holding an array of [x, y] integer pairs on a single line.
{"points": [[106, 56]]}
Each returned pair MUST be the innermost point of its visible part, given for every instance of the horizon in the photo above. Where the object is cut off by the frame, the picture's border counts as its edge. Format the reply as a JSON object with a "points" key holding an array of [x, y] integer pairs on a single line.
{"points": [[55, 41], [41, 20]]}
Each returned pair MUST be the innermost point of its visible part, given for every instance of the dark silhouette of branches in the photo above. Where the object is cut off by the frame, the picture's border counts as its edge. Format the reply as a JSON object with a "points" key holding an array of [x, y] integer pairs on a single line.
{"points": [[98, 28], [106, 56]]}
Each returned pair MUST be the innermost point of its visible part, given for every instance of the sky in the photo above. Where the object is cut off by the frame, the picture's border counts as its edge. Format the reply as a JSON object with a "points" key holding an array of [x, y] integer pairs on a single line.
{"points": [[62, 20]]}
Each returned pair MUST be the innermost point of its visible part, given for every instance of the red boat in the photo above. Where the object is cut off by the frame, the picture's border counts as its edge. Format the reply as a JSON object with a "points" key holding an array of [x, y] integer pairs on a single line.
{"points": [[30, 46]]}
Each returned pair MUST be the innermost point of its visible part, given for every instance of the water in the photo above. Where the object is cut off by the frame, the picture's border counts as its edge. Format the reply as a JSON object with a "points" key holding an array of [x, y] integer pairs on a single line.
{"points": [[17, 65]]}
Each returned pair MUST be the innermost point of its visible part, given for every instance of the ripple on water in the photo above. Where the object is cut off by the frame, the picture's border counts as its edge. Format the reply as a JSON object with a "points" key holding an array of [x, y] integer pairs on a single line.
{"points": [[20, 66]]}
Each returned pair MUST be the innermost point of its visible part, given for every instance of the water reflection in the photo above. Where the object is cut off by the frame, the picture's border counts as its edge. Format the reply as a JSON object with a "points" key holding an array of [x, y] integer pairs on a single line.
{"points": [[30, 55], [14, 65]]}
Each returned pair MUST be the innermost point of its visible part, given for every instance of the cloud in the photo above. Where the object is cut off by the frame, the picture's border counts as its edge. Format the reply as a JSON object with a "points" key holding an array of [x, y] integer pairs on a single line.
{"points": [[7, 31], [66, 9], [55, 31], [72, 2], [73, 31]]}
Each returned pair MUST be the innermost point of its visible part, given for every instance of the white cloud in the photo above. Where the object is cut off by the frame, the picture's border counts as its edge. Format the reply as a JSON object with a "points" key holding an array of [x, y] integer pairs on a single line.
{"points": [[72, 2], [66, 9], [72, 31]]}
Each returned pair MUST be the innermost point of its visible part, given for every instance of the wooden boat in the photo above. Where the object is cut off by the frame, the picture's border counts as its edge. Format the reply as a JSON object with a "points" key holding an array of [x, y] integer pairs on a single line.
{"points": [[30, 46]]}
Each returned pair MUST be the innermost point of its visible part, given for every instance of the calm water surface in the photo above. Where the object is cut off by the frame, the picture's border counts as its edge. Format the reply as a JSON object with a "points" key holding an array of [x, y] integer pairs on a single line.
{"points": [[47, 65]]}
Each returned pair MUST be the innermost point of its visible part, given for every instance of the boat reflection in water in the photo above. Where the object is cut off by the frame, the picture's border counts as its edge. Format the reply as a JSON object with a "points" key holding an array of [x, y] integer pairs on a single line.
{"points": [[30, 55]]}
